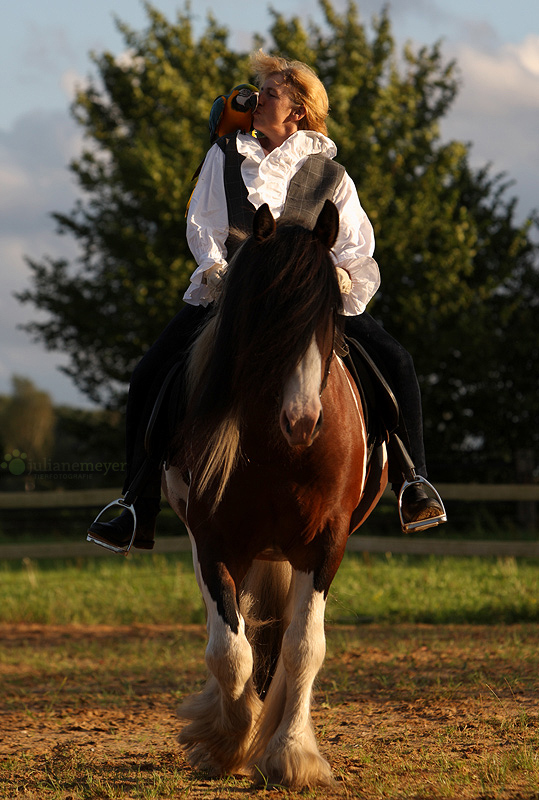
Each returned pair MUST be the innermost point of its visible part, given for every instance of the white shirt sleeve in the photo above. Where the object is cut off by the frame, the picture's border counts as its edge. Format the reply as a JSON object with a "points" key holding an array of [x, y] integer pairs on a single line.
{"points": [[207, 225], [354, 248]]}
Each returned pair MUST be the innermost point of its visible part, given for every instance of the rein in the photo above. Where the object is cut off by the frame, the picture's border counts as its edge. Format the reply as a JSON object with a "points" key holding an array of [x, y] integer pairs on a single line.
{"points": [[339, 349], [327, 370]]}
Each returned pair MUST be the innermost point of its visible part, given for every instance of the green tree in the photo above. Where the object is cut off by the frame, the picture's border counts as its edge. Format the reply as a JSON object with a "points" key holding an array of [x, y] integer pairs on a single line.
{"points": [[459, 275], [27, 420]]}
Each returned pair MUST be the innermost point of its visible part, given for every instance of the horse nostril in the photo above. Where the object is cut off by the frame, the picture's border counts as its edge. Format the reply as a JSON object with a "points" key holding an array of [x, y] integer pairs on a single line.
{"points": [[288, 427], [319, 422]]}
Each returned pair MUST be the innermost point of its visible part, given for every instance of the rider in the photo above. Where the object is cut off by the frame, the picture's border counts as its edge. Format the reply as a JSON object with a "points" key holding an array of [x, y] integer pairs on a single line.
{"points": [[240, 173]]}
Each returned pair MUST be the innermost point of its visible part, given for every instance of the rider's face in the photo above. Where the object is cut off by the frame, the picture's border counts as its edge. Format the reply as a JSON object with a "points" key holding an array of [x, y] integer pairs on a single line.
{"points": [[276, 114]]}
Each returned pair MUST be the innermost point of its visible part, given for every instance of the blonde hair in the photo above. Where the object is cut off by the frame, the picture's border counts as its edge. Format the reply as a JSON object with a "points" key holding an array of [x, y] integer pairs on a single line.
{"points": [[305, 87]]}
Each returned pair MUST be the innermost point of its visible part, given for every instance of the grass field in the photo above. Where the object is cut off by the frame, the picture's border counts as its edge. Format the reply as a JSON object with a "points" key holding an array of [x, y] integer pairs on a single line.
{"points": [[430, 687], [162, 589]]}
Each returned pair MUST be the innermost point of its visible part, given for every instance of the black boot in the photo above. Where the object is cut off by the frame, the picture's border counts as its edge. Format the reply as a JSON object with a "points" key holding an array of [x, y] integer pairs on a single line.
{"points": [[118, 532], [419, 510]]}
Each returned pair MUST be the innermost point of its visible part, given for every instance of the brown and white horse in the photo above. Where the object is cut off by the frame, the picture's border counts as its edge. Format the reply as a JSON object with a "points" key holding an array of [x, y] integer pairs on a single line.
{"points": [[270, 484]]}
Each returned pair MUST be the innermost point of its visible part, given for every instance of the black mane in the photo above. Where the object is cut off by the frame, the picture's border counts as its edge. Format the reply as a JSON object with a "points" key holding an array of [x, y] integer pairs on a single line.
{"points": [[278, 291]]}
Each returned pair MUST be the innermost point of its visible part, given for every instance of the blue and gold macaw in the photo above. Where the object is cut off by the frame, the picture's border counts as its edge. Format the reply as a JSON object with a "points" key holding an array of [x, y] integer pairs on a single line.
{"points": [[233, 112]]}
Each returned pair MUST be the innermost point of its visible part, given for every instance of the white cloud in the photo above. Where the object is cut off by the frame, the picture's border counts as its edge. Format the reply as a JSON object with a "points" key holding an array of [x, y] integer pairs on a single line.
{"points": [[72, 82], [527, 53], [497, 110], [13, 180], [34, 157], [128, 59], [497, 82]]}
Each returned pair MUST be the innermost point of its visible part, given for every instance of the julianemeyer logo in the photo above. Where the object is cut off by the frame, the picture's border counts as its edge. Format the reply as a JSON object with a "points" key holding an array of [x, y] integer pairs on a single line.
{"points": [[14, 462], [18, 463]]}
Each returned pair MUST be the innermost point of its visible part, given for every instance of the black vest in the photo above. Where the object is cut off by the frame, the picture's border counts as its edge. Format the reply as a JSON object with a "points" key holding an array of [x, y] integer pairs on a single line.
{"points": [[313, 184]]}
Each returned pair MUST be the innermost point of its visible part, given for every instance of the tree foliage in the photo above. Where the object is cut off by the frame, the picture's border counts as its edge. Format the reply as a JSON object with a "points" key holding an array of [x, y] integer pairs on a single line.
{"points": [[27, 419], [459, 275]]}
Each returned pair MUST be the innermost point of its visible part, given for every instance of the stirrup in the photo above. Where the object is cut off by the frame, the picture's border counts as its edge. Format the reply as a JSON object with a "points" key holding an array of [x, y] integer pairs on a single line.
{"points": [[422, 524], [108, 545]]}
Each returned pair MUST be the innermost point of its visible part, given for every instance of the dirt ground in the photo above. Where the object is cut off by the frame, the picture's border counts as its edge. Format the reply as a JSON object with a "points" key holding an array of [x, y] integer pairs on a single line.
{"points": [[416, 711]]}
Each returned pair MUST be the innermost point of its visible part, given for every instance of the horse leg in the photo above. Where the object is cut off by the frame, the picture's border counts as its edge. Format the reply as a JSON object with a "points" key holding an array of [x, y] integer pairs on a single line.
{"points": [[222, 716], [291, 755], [264, 602]]}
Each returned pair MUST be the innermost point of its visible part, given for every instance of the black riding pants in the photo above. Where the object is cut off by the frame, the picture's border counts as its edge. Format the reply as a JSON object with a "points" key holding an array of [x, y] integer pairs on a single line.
{"points": [[146, 382]]}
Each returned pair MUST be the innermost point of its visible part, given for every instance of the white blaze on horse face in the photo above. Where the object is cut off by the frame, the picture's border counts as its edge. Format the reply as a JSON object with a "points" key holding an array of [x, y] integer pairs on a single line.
{"points": [[301, 410]]}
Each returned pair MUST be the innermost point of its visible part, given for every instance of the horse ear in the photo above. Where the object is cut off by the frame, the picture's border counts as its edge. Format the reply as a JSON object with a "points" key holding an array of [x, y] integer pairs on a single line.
{"points": [[263, 223], [327, 225]]}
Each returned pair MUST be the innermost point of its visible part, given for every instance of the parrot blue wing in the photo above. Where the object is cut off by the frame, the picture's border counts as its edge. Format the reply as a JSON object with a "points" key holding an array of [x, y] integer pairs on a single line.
{"points": [[216, 115]]}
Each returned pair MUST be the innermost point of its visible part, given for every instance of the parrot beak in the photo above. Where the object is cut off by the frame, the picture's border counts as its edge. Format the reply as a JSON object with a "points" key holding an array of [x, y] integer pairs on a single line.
{"points": [[248, 100], [252, 102]]}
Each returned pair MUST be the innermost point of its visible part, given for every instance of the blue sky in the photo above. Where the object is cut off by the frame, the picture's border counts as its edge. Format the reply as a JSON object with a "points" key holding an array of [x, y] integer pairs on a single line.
{"points": [[45, 51]]}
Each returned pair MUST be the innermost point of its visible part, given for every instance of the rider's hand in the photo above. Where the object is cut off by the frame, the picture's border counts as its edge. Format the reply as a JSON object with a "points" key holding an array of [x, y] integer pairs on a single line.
{"points": [[214, 277], [344, 279]]}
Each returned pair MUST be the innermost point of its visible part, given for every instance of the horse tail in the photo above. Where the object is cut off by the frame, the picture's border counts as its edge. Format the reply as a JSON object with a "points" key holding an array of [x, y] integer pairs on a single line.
{"points": [[264, 599]]}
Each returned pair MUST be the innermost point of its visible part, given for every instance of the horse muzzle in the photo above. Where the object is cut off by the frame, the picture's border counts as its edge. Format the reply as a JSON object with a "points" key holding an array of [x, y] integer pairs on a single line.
{"points": [[301, 431]]}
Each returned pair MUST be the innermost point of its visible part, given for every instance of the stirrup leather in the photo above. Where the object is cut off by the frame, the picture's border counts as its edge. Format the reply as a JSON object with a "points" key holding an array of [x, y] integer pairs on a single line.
{"points": [[422, 524], [121, 501]]}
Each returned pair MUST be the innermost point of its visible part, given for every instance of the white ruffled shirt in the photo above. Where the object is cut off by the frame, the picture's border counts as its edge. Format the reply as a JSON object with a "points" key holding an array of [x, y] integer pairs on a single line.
{"points": [[267, 178]]}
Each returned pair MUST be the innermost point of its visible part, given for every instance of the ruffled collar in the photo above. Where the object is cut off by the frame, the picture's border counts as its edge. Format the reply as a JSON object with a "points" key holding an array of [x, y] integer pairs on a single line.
{"points": [[299, 145]]}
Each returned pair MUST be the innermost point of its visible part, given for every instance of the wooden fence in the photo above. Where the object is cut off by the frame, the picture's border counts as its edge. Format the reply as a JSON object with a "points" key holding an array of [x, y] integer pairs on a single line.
{"points": [[409, 544], [88, 498]]}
